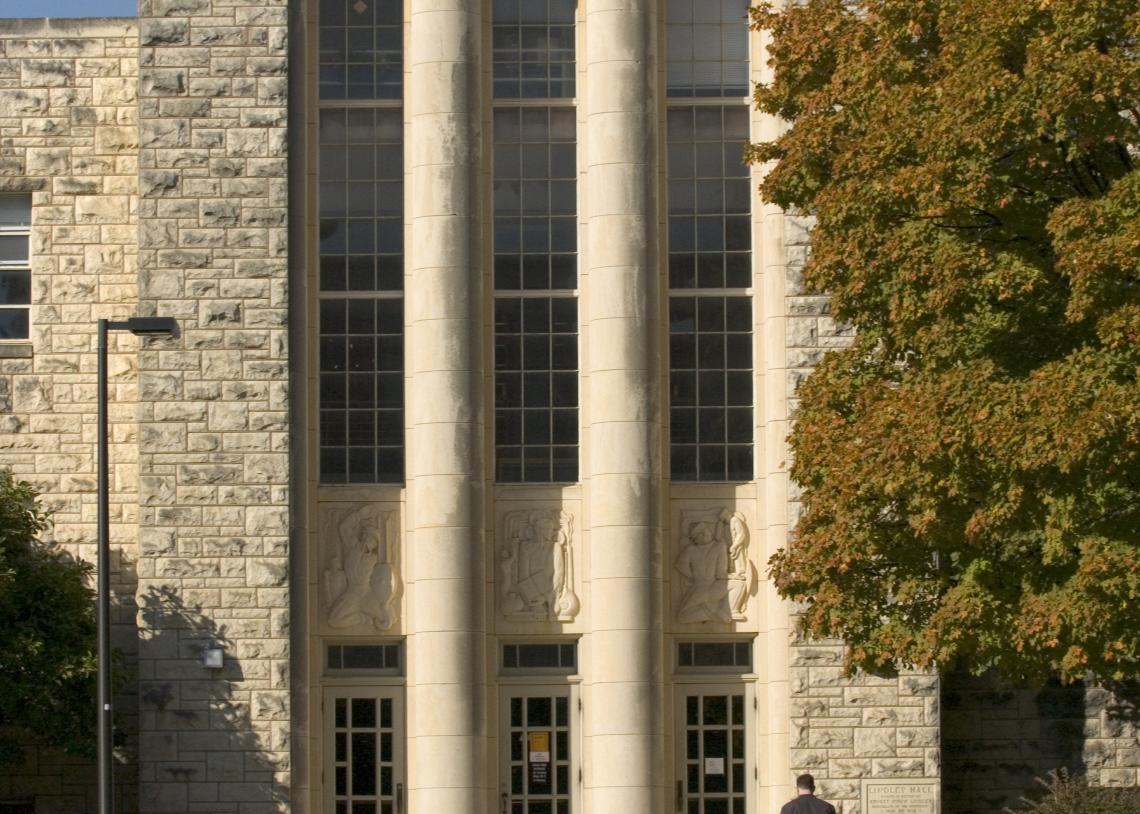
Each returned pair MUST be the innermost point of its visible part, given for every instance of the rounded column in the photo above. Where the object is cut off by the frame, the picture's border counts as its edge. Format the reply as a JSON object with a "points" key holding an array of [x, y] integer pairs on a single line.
{"points": [[776, 634], [446, 683], [621, 290]]}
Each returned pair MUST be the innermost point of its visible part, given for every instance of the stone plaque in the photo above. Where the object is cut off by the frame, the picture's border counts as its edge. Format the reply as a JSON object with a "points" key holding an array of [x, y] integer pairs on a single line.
{"points": [[901, 796]]}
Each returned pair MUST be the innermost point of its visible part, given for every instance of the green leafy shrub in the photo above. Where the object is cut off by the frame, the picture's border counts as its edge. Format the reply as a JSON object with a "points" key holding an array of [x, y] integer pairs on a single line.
{"points": [[48, 661], [1071, 794]]}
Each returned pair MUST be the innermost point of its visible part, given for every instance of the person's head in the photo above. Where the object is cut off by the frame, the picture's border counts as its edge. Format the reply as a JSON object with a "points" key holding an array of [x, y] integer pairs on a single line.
{"points": [[805, 784]]}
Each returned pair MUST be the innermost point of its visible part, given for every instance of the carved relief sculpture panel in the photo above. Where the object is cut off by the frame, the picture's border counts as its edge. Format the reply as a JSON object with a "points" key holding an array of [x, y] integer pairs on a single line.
{"points": [[717, 577], [359, 574], [535, 559]]}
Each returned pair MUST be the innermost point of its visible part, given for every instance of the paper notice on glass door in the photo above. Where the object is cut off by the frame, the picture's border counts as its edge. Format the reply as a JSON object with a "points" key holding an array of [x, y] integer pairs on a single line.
{"points": [[539, 747], [714, 765]]}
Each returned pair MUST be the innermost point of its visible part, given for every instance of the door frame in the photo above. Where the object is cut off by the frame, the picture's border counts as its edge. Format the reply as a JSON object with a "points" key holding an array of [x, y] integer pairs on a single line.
{"points": [[356, 689], [552, 684], [713, 683]]}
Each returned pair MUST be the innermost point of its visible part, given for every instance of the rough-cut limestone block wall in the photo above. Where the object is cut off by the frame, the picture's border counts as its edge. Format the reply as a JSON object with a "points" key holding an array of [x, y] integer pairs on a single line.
{"points": [[213, 436], [847, 729], [844, 729], [997, 739], [68, 135]]}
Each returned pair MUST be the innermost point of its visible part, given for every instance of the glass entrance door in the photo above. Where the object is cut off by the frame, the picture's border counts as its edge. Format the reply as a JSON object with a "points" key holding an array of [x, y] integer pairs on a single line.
{"points": [[712, 777], [364, 750], [535, 756]]}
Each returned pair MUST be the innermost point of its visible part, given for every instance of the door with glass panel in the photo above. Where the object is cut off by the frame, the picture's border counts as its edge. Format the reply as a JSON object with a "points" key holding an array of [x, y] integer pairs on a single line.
{"points": [[712, 773], [535, 752], [364, 750]]}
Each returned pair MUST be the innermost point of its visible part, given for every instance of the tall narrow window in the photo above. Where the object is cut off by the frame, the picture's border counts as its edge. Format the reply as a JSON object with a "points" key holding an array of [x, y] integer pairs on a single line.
{"points": [[535, 243], [15, 266], [361, 233], [710, 266]]}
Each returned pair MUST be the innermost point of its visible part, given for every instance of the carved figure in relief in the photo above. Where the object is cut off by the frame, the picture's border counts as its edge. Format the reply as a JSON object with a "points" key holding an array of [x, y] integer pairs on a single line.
{"points": [[741, 574], [714, 566], [360, 578], [536, 565]]}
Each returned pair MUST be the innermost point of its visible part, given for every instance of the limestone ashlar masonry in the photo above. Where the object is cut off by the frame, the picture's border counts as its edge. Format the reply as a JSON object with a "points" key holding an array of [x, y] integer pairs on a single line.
{"points": [[68, 139], [213, 438]]}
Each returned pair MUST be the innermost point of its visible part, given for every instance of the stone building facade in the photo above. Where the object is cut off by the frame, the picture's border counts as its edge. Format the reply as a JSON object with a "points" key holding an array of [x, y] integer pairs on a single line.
{"points": [[469, 452]]}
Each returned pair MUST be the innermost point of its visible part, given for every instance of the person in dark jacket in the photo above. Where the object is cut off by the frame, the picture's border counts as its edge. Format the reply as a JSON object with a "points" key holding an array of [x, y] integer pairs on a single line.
{"points": [[806, 802]]}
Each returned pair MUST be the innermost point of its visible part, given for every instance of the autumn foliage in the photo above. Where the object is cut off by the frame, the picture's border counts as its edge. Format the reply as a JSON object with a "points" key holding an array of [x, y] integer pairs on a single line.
{"points": [[971, 465]]}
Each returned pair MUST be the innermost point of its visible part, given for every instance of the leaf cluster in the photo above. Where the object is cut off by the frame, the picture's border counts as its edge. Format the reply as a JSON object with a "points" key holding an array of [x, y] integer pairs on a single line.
{"points": [[971, 465], [48, 662]]}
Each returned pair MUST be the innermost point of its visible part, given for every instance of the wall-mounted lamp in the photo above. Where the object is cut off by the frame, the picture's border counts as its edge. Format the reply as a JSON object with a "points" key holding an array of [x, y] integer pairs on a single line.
{"points": [[214, 658]]}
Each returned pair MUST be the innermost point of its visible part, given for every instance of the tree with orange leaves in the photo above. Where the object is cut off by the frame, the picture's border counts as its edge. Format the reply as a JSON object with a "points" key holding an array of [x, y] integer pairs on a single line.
{"points": [[971, 464]]}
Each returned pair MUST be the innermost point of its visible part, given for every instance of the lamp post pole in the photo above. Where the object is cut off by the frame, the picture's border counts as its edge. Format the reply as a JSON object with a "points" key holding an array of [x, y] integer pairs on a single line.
{"points": [[103, 585], [140, 326]]}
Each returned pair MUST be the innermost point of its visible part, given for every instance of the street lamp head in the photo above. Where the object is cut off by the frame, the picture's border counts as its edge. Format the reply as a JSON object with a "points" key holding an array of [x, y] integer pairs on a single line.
{"points": [[152, 326]]}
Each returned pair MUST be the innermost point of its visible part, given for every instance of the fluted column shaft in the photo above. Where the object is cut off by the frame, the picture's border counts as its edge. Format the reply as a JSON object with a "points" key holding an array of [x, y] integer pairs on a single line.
{"points": [[446, 715], [624, 721]]}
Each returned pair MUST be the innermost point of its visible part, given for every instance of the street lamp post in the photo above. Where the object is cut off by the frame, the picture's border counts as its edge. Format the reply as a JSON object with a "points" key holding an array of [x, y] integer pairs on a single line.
{"points": [[140, 326]]}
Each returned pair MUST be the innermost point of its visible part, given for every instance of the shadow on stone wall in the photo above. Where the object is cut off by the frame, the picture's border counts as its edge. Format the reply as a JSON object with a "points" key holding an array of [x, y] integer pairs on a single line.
{"points": [[997, 738], [198, 751]]}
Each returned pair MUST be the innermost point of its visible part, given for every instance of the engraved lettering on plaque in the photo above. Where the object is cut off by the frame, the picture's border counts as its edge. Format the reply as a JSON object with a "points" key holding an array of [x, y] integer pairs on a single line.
{"points": [[900, 796]]}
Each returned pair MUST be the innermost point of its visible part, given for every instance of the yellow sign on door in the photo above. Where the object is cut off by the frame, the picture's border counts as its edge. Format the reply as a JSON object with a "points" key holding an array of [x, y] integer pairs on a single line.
{"points": [[538, 744]]}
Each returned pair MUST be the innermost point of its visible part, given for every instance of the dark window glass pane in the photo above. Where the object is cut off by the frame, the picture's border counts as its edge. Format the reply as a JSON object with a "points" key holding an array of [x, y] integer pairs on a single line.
{"points": [[564, 464], [711, 462], [538, 710], [739, 463], [716, 805], [738, 429], [16, 210], [683, 388], [715, 713], [14, 323], [363, 762], [363, 712], [683, 462], [536, 464], [333, 465], [568, 656], [683, 426], [15, 287]]}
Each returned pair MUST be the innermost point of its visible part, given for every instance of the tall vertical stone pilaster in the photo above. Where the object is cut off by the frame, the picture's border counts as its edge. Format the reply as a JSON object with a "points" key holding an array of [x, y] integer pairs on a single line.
{"points": [[447, 687], [214, 424], [624, 720], [776, 632]]}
